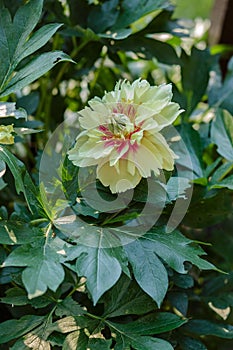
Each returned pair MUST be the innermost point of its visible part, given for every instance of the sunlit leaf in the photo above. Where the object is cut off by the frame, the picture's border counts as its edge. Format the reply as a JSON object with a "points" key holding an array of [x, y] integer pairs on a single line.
{"points": [[43, 269]]}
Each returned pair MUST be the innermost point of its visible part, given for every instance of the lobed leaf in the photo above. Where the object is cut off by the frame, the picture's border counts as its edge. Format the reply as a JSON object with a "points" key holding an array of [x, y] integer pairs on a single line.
{"points": [[151, 324], [125, 298], [148, 343], [13, 35], [205, 327], [34, 70], [99, 266], [148, 270], [175, 249], [23, 181], [132, 11], [43, 267], [16, 232], [12, 329]]}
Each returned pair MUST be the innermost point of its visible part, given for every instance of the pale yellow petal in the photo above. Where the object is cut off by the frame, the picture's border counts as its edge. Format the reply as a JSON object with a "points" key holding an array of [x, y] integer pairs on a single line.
{"points": [[118, 181], [140, 88], [167, 115], [159, 144], [146, 161], [90, 119]]}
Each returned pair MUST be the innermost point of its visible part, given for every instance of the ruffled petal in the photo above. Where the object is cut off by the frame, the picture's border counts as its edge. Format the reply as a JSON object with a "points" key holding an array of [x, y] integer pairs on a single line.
{"points": [[90, 119], [122, 134], [167, 115]]}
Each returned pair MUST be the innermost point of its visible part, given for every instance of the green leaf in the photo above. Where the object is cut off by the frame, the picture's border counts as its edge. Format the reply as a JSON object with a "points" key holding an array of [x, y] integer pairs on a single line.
{"points": [[37, 338], [2, 168], [2, 257], [141, 193], [222, 133], [210, 168], [176, 188], [209, 211], [182, 281], [14, 34], [16, 166], [77, 340], [226, 183], [195, 70], [148, 270], [23, 181], [12, 329], [125, 298], [148, 343], [187, 343], [34, 70], [100, 267], [16, 232], [118, 34], [96, 344], [19, 345], [30, 103], [69, 307], [148, 48], [43, 269], [220, 93], [102, 17], [122, 342], [131, 11], [205, 327], [151, 324], [219, 178], [38, 39], [17, 296], [175, 249], [179, 301], [2, 183], [192, 141]]}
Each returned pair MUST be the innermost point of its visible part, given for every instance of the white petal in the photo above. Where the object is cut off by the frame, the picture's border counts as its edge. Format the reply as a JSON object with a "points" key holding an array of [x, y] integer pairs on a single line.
{"points": [[157, 96], [140, 88], [99, 106]]}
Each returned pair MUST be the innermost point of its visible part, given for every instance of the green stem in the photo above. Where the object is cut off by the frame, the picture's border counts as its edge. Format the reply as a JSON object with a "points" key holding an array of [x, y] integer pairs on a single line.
{"points": [[47, 235], [38, 221]]}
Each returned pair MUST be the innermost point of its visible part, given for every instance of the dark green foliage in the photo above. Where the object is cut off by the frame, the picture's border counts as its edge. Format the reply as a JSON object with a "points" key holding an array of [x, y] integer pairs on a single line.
{"points": [[102, 281]]}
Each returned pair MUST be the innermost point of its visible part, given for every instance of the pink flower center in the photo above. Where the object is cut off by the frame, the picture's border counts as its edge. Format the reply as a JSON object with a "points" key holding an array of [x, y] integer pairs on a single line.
{"points": [[120, 131]]}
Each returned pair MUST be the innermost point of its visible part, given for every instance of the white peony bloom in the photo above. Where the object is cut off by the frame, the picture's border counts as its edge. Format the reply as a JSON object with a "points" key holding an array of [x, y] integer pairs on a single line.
{"points": [[121, 134]]}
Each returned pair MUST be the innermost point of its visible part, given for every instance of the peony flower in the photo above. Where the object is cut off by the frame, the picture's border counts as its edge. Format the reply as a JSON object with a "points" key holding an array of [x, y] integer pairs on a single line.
{"points": [[5, 134], [121, 134]]}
